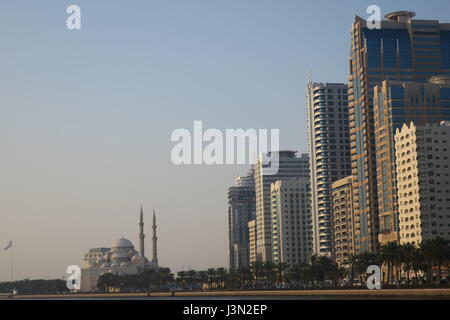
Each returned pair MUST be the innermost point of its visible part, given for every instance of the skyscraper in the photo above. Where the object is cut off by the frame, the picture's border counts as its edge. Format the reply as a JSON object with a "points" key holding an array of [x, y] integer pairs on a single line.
{"points": [[343, 220], [405, 50], [423, 179], [396, 103], [241, 210], [290, 166], [292, 235], [329, 151]]}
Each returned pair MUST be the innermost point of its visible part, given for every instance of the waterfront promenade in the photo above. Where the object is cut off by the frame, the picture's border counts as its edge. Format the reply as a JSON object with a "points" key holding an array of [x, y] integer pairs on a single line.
{"points": [[333, 294]]}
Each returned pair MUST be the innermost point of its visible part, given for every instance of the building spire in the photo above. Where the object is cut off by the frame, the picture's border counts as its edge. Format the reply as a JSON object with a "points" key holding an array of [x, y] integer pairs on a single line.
{"points": [[141, 239], [155, 241]]}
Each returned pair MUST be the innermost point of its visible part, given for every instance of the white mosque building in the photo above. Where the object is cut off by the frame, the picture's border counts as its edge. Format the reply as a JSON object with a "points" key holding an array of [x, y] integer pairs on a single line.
{"points": [[121, 258]]}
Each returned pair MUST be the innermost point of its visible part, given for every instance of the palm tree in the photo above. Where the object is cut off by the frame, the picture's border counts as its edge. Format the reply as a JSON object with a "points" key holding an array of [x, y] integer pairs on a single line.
{"points": [[191, 275], [182, 278], [221, 275], [280, 268], [435, 252], [301, 274], [324, 267], [166, 275], [427, 250], [442, 254], [390, 253], [341, 273], [245, 274], [334, 272], [147, 279], [307, 275], [107, 281], [211, 276], [352, 262], [361, 262], [313, 265], [268, 269], [296, 273], [232, 276], [256, 269], [418, 263], [408, 251], [202, 277]]}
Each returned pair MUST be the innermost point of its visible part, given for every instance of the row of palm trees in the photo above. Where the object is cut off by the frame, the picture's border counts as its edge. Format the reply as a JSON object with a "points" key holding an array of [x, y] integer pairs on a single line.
{"points": [[429, 255], [395, 259], [407, 259], [160, 279], [264, 275]]}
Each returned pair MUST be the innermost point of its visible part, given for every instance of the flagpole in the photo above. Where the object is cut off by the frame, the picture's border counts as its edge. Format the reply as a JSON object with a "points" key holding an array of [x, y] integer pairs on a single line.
{"points": [[12, 264]]}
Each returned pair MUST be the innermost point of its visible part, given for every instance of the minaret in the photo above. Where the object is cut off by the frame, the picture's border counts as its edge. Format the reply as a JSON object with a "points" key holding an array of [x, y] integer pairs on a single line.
{"points": [[155, 241], [141, 240]]}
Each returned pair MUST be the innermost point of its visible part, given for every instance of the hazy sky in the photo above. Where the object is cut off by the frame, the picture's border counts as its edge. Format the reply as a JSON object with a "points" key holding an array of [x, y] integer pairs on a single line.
{"points": [[86, 116]]}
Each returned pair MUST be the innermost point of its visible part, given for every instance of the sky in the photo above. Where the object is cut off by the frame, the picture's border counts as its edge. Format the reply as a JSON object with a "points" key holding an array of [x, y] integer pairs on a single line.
{"points": [[86, 115]]}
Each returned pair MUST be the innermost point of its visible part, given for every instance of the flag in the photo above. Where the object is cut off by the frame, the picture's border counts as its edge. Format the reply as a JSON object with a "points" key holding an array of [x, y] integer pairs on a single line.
{"points": [[8, 246]]}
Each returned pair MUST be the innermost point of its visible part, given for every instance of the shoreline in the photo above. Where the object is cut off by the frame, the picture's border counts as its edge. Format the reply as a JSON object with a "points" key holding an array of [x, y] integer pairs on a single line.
{"points": [[417, 293]]}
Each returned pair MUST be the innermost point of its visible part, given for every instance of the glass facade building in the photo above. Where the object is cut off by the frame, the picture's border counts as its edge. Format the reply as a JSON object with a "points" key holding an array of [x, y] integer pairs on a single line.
{"points": [[404, 50], [397, 103], [241, 210]]}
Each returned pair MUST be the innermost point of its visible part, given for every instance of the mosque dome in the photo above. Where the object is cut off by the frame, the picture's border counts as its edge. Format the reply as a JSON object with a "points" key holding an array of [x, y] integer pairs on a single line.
{"points": [[119, 257], [122, 244]]}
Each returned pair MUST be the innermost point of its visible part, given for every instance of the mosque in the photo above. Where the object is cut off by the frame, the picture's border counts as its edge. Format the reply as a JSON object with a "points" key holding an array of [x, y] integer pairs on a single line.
{"points": [[121, 258]]}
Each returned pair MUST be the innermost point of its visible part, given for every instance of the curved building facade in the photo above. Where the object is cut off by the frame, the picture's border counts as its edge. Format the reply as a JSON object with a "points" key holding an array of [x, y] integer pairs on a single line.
{"points": [[329, 149]]}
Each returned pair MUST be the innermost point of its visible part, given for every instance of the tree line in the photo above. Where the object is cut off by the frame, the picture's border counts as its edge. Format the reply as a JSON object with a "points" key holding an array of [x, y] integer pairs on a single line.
{"points": [[264, 275], [161, 279], [27, 286], [405, 264], [401, 265]]}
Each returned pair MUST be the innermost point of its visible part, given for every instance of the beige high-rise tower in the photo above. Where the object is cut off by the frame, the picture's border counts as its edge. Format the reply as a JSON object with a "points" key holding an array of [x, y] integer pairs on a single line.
{"points": [[396, 103], [292, 235], [343, 220], [423, 181], [290, 166]]}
